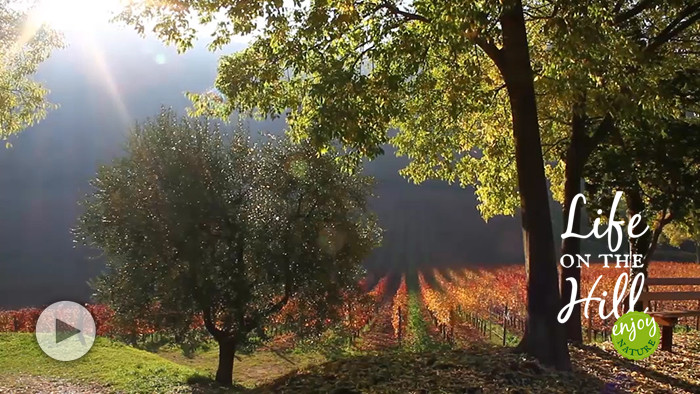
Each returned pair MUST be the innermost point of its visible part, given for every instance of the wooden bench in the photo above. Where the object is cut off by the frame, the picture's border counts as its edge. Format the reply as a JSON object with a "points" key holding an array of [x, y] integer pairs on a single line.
{"points": [[668, 319]]}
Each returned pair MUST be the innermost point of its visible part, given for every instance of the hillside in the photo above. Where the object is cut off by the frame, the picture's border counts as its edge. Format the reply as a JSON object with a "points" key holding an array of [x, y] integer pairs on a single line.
{"points": [[478, 368], [108, 367]]}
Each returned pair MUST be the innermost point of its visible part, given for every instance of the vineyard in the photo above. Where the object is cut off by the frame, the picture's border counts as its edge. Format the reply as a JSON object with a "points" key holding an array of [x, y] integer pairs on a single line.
{"points": [[489, 304], [438, 306]]}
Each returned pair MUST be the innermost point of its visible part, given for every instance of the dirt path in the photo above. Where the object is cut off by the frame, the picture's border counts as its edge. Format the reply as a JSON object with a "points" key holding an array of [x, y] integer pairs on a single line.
{"points": [[381, 333], [41, 385]]}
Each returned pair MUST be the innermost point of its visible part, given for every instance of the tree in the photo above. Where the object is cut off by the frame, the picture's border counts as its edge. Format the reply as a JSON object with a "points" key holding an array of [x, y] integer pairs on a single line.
{"points": [[656, 167], [653, 158], [195, 222], [652, 155], [685, 229], [347, 72], [23, 47], [632, 50], [596, 64]]}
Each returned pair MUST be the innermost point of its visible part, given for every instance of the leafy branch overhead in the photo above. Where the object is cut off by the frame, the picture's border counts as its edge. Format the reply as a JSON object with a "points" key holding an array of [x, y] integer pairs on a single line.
{"points": [[351, 71], [23, 47]]}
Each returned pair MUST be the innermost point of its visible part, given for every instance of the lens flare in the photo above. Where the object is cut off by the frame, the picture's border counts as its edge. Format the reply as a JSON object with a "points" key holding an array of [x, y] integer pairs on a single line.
{"points": [[76, 15]]}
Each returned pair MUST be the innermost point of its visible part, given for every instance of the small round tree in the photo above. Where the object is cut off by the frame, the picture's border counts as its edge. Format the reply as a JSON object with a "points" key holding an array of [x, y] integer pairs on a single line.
{"points": [[200, 223]]}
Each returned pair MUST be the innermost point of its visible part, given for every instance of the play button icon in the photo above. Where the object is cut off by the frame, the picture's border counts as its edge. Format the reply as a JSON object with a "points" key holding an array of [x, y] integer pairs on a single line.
{"points": [[65, 331]]}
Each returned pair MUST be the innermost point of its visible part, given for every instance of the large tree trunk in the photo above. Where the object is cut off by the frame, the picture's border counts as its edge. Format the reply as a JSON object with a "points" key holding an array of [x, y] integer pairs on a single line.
{"points": [[227, 352], [635, 206], [544, 337], [571, 245], [695, 231]]}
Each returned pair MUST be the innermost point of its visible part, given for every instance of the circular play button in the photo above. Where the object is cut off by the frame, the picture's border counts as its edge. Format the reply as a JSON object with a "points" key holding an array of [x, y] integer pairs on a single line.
{"points": [[65, 331]]}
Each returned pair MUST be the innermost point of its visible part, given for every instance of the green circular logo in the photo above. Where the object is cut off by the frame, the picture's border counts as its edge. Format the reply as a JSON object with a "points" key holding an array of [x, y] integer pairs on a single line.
{"points": [[635, 335]]}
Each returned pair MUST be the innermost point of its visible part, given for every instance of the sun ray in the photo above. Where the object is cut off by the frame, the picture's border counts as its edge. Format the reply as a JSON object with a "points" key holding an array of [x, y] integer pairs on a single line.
{"points": [[107, 79], [30, 28], [83, 17]]}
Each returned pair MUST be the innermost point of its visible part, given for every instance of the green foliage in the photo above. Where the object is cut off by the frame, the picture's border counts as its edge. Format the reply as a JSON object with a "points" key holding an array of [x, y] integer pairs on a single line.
{"points": [[654, 156], [686, 228], [417, 336], [123, 368], [629, 84], [23, 47], [643, 81], [349, 72], [197, 222], [332, 343]]}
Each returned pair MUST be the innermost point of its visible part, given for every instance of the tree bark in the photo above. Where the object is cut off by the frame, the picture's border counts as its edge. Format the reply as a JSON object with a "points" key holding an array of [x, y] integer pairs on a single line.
{"points": [[544, 337], [572, 246], [695, 229], [227, 352], [636, 206]]}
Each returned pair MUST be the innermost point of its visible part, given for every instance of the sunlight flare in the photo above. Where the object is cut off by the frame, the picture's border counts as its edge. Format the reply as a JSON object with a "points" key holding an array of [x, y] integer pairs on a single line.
{"points": [[76, 15], [84, 17]]}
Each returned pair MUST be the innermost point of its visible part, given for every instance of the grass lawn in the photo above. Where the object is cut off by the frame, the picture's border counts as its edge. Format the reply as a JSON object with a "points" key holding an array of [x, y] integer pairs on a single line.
{"points": [[110, 364], [118, 367], [478, 367], [249, 370]]}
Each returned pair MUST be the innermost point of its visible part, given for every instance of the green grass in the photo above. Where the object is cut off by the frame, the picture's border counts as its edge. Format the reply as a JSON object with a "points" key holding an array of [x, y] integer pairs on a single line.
{"points": [[249, 370], [417, 328], [111, 364], [123, 368]]}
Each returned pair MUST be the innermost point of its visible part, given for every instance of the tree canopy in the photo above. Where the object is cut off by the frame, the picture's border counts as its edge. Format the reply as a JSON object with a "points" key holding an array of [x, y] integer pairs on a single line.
{"points": [[657, 166], [684, 229], [196, 222], [451, 78], [23, 47], [423, 67], [344, 73]]}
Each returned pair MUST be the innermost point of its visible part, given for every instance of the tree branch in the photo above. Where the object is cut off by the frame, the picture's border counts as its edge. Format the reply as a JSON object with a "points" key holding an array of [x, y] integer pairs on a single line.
{"points": [[493, 52], [618, 7], [634, 11], [210, 325], [685, 19], [362, 55], [604, 129], [407, 15], [487, 46], [554, 145], [276, 307], [666, 217], [533, 16]]}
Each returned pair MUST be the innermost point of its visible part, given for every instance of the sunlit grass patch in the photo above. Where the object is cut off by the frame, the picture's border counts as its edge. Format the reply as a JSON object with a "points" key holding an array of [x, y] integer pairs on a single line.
{"points": [[108, 363]]}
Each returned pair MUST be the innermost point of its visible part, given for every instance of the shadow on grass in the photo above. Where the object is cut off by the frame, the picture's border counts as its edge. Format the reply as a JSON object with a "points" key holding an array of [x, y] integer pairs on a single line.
{"points": [[201, 384], [479, 368], [647, 372]]}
